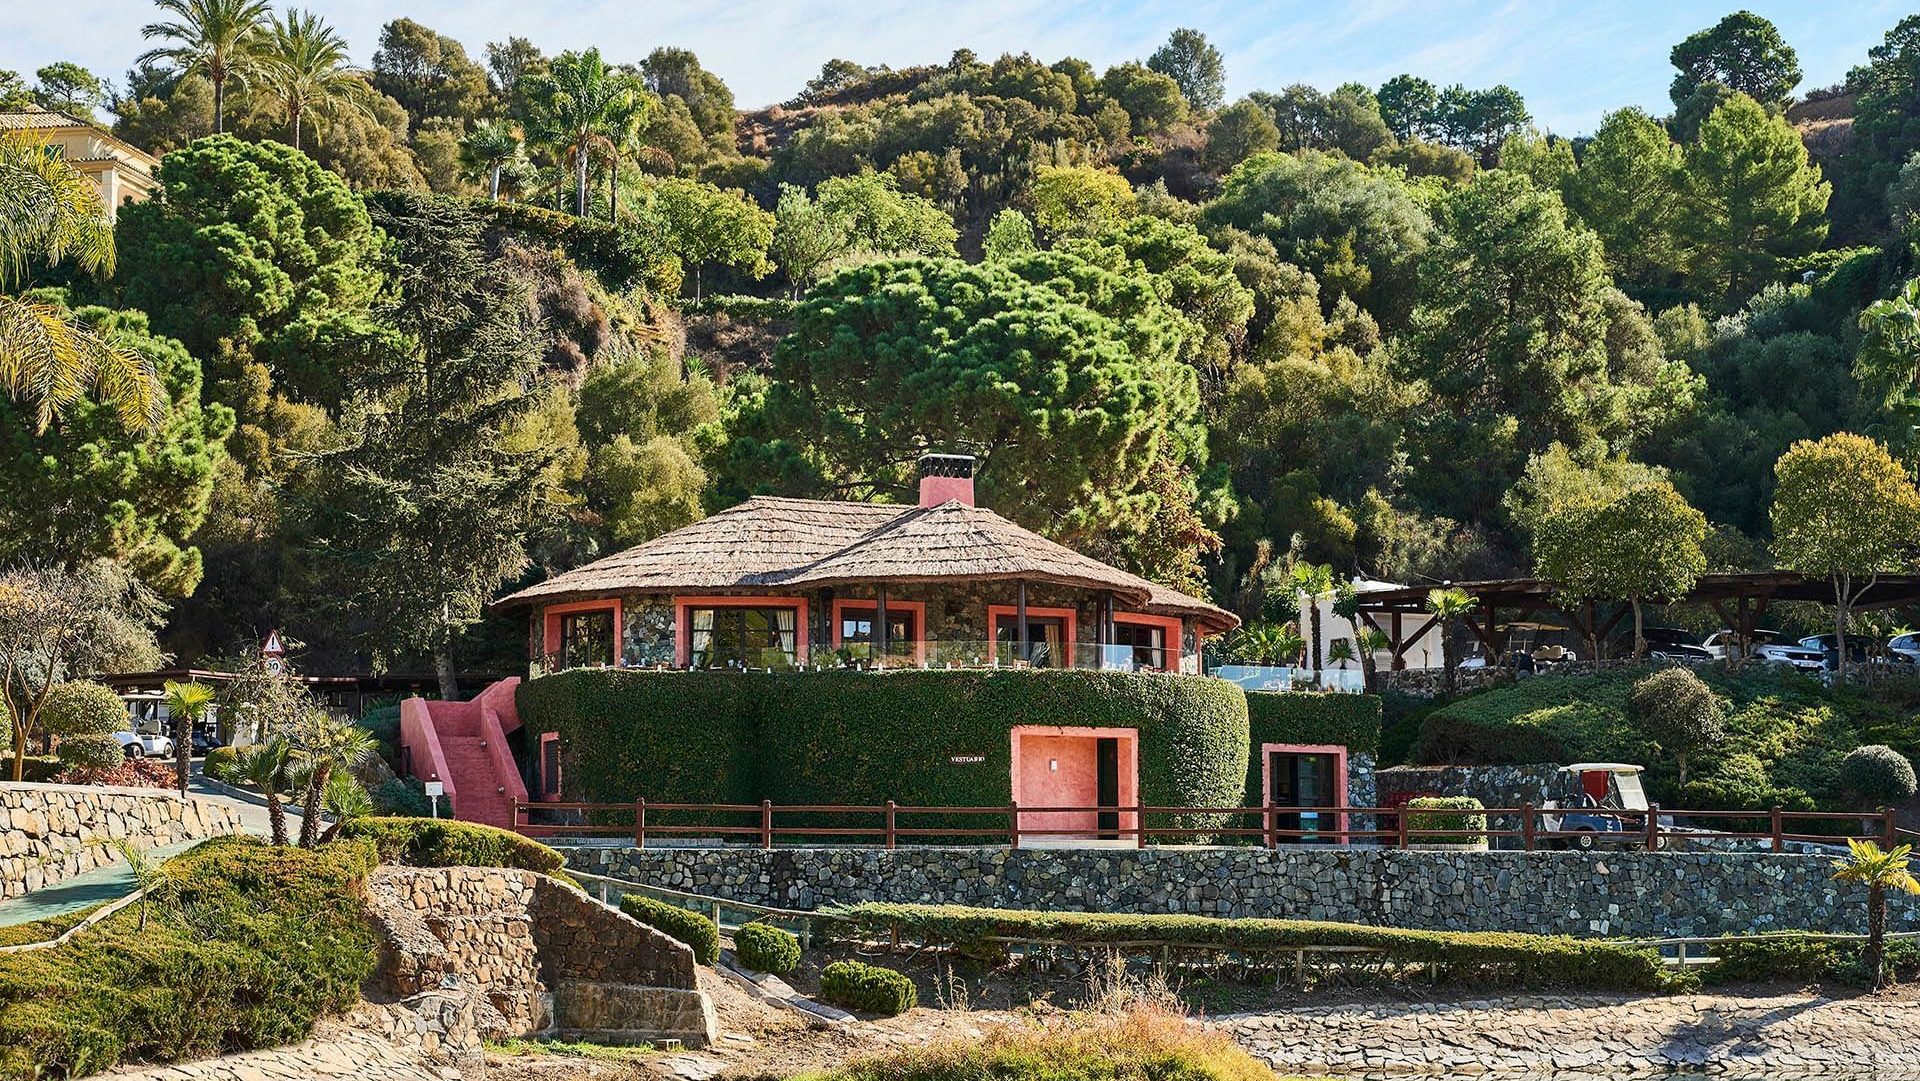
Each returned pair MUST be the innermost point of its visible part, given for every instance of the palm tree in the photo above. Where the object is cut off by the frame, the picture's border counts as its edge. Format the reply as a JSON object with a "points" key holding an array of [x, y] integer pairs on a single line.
{"points": [[1367, 642], [186, 704], [1315, 581], [49, 210], [264, 765], [491, 146], [1449, 604], [222, 39], [326, 745], [306, 69], [345, 799], [1879, 871], [581, 103]]}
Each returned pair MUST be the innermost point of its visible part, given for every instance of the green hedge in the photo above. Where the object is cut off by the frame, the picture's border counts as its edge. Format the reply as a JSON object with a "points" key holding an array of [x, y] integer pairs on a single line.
{"points": [[1345, 720], [428, 842], [691, 928], [764, 948], [261, 943], [1460, 815], [856, 985], [864, 738], [1491, 957], [1799, 959]]}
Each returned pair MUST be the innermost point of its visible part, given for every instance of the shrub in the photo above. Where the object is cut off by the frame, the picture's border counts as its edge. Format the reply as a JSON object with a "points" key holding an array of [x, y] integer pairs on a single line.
{"points": [[383, 723], [1458, 815], [261, 943], [223, 764], [691, 928], [91, 752], [765, 948], [855, 985], [1797, 958], [1677, 710], [430, 842], [1498, 958], [1138, 1045], [83, 709], [1877, 774], [401, 798], [40, 767]]}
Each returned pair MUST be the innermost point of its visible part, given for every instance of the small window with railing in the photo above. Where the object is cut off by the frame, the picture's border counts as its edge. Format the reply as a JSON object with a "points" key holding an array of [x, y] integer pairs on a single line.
{"points": [[744, 637], [586, 639], [1140, 647]]}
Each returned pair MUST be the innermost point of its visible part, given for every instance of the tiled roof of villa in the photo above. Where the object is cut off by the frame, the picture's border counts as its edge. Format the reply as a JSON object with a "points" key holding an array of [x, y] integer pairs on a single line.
{"points": [[770, 543]]}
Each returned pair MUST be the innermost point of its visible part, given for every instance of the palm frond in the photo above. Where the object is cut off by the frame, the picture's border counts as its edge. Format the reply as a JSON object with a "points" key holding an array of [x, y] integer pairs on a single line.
{"points": [[50, 360]]}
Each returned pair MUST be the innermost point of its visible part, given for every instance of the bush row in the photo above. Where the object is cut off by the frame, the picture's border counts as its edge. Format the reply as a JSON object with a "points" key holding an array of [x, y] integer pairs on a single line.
{"points": [[259, 943], [697, 931], [428, 842], [1801, 959], [1492, 958], [855, 985]]}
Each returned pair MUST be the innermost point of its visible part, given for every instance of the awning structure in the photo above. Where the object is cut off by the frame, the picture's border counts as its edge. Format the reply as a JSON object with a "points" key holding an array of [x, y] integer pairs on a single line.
{"points": [[1507, 604]]}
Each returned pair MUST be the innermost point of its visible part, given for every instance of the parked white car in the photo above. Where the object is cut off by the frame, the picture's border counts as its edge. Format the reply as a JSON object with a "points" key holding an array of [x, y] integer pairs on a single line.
{"points": [[142, 745], [1906, 645], [1768, 646]]}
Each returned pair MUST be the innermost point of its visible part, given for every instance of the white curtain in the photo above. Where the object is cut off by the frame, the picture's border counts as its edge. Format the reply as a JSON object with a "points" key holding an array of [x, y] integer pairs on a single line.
{"points": [[784, 624]]}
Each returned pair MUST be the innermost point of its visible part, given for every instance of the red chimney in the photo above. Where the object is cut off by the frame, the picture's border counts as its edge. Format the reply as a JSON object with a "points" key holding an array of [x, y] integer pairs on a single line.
{"points": [[944, 477]]}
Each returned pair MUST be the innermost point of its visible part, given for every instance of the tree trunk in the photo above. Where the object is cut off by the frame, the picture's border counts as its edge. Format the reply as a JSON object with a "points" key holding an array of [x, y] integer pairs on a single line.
{"points": [[182, 751], [276, 818], [1681, 760], [444, 669], [219, 103], [310, 812], [1314, 620], [1840, 591], [493, 182], [580, 182], [1876, 958], [1639, 632], [296, 127], [1446, 657], [19, 753], [613, 191]]}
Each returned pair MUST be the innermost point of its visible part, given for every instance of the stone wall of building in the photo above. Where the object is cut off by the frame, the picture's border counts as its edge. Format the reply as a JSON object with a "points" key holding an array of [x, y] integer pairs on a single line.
{"points": [[52, 832], [530, 948], [1609, 893]]}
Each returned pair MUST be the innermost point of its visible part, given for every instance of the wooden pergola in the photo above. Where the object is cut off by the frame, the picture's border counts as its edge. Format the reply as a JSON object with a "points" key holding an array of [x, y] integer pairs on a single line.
{"points": [[1741, 599]]}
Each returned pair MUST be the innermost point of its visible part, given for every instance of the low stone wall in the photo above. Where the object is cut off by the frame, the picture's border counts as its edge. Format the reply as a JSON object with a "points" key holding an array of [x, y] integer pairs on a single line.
{"points": [[541, 956], [52, 832], [1611, 893]]}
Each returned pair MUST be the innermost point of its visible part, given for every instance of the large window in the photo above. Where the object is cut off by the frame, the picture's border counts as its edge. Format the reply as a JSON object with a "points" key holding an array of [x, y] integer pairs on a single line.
{"points": [[586, 639], [1047, 645], [1139, 647], [857, 631], [744, 637]]}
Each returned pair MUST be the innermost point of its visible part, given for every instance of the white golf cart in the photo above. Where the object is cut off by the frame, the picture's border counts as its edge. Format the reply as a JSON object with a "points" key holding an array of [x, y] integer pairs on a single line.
{"points": [[1610, 810]]}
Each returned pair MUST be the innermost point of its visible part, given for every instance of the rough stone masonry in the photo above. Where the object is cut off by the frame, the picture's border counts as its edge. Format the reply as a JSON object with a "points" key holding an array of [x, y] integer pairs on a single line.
{"points": [[52, 832], [1586, 894]]}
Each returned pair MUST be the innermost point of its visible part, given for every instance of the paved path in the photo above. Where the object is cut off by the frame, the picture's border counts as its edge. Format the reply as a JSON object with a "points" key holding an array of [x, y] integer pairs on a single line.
{"points": [[115, 880]]}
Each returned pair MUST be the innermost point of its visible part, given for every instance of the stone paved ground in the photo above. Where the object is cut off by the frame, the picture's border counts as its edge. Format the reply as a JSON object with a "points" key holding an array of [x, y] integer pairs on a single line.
{"points": [[1772, 1036], [339, 1051]]}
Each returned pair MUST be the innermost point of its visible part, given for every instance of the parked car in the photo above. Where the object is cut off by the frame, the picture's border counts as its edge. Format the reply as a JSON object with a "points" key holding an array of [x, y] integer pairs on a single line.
{"points": [[1672, 644], [143, 744], [1905, 645], [1605, 811], [1769, 646], [1829, 647]]}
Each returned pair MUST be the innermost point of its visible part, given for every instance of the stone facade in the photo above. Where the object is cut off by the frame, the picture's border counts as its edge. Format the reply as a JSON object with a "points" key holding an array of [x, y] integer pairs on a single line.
{"points": [[537, 956], [52, 832], [1611, 894]]}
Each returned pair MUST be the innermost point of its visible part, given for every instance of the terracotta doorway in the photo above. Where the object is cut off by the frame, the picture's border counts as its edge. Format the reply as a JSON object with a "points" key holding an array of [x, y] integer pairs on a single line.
{"points": [[1088, 774]]}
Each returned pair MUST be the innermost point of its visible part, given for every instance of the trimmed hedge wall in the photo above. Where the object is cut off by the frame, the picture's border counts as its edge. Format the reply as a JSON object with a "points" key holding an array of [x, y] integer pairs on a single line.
{"points": [[430, 842], [1347, 720], [1495, 958], [864, 737], [699, 932]]}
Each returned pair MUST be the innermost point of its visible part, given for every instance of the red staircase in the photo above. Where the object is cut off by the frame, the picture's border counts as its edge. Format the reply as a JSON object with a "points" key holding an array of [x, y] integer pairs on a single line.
{"points": [[463, 745]]}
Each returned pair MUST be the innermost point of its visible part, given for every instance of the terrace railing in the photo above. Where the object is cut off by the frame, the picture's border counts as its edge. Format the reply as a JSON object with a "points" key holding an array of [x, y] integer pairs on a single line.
{"points": [[890, 824], [914, 653]]}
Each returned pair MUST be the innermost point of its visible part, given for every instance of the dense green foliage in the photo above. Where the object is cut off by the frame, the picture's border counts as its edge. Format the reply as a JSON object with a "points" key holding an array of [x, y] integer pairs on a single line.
{"points": [[765, 948], [82, 708], [1457, 816], [697, 931], [258, 944], [1487, 957], [857, 985], [862, 738], [428, 842], [1800, 960], [1876, 775]]}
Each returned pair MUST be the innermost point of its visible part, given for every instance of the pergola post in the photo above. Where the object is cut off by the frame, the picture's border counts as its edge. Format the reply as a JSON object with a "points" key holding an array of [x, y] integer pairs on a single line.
{"points": [[880, 624], [1021, 645], [1397, 641]]}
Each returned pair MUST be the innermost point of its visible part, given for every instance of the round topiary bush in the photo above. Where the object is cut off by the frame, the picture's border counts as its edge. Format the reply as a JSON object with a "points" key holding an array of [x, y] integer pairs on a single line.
{"points": [[83, 709], [1877, 774], [1460, 816], [1677, 710], [765, 948], [867, 988], [91, 752]]}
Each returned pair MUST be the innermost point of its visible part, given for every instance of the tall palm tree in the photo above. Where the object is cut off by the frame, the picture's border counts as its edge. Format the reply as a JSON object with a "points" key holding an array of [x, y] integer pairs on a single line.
{"points": [[1312, 583], [1879, 871], [222, 39], [49, 211], [326, 745], [264, 765], [1450, 604], [186, 704], [581, 104], [306, 69], [491, 146]]}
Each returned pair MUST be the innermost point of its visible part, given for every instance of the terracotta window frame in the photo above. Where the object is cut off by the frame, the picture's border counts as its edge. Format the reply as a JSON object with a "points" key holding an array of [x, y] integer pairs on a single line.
{"points": [[683, 622], [841, 605], [1171, 637], [1069, 623], [550, 618], [1339, 754]]}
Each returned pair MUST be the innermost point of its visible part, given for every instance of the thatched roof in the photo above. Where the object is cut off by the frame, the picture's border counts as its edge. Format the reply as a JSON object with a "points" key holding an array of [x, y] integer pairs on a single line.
{"points": [[773, 543]]}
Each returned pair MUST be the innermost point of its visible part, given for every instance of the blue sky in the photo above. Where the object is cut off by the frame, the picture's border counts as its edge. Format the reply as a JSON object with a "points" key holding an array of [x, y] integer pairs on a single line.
{"points": [[1572, 61]]}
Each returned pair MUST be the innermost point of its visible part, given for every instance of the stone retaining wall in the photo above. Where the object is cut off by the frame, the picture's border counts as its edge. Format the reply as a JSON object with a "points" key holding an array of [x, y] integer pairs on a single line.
{"points": [[537, 955], [52, 832], [1611, 893]]}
